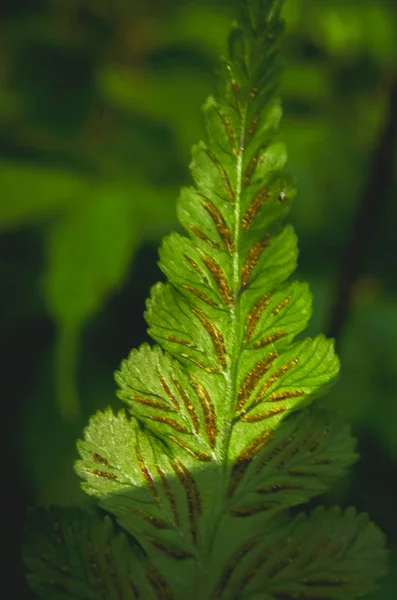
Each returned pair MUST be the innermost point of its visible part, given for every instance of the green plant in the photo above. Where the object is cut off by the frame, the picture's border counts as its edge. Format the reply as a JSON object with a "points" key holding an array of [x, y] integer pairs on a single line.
{"points": [[220, 438]]}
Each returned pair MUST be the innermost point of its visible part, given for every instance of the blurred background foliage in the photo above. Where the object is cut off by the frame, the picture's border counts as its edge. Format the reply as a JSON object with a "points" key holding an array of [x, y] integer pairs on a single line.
{"points": [[99, 106]]}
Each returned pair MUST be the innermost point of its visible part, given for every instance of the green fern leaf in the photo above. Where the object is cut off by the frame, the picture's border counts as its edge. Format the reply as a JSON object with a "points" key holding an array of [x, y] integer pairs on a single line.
{"points": [[219, 437], [329, 555], [75, 554], [291, 464], [147, 489]]}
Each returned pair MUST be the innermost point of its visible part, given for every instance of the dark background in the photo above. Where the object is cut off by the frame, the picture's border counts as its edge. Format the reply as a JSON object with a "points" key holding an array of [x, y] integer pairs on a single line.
{"points": [[99, 105]]}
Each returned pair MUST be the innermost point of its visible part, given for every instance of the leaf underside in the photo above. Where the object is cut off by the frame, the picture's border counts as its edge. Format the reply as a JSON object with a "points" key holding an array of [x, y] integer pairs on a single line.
{"points": [[220, 435], [72, 553]]}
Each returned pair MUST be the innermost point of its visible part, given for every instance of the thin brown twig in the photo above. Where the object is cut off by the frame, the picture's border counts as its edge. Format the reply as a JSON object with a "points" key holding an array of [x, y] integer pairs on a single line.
{"points": [[363, 228]]}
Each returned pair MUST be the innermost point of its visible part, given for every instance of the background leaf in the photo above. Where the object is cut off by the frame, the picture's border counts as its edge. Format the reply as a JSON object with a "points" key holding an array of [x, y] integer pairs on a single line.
{"points": [[98, 238], [32, 193]]}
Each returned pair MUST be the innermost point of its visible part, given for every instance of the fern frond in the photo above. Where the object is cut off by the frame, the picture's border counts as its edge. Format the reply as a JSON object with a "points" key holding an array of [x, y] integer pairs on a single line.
{"points": [[219, 437]]}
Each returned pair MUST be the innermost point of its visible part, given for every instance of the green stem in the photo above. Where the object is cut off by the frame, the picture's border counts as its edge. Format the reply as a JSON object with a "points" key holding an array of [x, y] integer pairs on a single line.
{"points": [[66, 372]]}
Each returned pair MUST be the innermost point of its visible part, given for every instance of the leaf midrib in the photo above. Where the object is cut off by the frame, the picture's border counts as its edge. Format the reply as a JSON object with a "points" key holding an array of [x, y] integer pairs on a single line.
{"points": [[232, 370]]}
